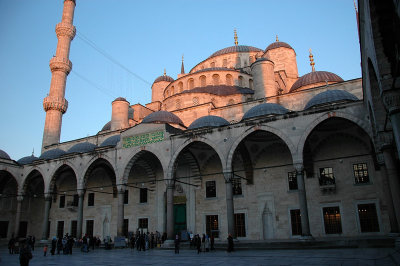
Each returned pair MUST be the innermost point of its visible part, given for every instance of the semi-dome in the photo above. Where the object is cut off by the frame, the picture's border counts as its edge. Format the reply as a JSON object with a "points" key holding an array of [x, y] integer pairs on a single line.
{"points": [[52, 154], [27, 159], [4, 155], [265, 109], [111, 141], [314, 78], [221, 90], [107, 126], [208, 121], [278, 44], [330, 96], [236, 49], [164, 78], [162, 117], [82, 147]]}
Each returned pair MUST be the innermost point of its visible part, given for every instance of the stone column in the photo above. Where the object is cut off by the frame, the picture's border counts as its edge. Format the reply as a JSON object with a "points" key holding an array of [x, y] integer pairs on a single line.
{"points": [[393, 181], [81, 195], [47, 204], [120, 220], [391, 100], [18, 215], [305, 224], [170, 210], [229, 204]]}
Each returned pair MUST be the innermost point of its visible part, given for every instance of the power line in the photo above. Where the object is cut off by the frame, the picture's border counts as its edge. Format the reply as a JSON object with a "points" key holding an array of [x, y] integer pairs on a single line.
{"points": [[101, 89], [109, 57]]}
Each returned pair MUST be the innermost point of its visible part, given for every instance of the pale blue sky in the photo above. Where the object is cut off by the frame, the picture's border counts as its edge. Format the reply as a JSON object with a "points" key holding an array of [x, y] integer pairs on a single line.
{"points": [[146, 37]]}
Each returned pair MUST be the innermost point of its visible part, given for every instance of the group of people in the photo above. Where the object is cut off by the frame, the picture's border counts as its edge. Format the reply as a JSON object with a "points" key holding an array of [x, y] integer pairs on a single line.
{"points": [[144, 241], [61, 244], [202, 243]]}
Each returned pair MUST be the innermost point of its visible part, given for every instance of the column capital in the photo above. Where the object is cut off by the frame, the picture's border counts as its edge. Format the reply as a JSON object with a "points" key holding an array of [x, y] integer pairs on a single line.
{"points": [[81, 192], [48, 196], [121, 188], [391, 100], [228, 176], [299, 167], [20, 198]]}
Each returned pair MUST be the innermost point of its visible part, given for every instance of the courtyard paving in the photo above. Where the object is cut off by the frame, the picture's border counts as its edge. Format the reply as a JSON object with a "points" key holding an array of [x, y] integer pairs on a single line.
{"points": [[358, 256]]}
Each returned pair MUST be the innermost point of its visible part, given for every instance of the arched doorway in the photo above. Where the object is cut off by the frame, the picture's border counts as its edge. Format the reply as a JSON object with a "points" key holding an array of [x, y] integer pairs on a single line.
{"points": [[8, 204]]}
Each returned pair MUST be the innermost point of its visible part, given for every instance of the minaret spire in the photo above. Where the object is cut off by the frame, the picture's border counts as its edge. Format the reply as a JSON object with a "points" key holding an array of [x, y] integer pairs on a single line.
{"points": [[312, 64], [236, 38], [55, 105], [182, 67]]}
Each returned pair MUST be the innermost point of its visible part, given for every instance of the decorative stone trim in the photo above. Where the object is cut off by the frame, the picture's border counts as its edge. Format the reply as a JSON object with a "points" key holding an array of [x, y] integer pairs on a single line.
{"points": [[64, 29], [60, 64], [55, 103], [391, 100]]}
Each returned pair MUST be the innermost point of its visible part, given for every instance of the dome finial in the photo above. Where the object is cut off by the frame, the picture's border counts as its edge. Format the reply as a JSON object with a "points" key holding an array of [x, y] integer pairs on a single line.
{"points": [[182, 67], [277, 38], [33, 151], [165, 72], [312, 64], [236, 38]]}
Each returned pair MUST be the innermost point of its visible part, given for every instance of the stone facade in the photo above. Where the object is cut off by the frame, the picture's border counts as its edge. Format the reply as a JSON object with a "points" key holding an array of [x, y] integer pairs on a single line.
{"points": [[272, 157]]}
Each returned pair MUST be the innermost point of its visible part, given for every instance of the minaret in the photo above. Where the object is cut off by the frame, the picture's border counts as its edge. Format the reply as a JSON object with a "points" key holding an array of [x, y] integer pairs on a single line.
{"points": [[55, 105]]}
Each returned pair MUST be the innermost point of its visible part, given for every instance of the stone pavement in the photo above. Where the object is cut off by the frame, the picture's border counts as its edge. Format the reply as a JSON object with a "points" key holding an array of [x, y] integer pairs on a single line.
{"points": [[358, 256]]}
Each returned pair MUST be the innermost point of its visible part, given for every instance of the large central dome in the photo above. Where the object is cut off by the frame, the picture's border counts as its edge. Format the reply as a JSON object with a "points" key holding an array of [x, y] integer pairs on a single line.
{"points": [[236, 49]]}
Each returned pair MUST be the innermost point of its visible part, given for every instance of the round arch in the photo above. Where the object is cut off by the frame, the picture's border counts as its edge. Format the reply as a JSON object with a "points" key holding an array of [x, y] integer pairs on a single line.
{"points": [[32, 174], [362, 124], [250, 130], [168, 174], [98, 162], [56, 172]]}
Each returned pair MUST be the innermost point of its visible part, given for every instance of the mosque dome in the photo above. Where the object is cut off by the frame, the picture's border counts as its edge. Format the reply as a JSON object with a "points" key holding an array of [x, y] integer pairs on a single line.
{"points": [[208, 121], [265, 109], [52, 154], [4, 155], [330, 96], [162, 117], [236, 49], [27, 159], [314, 78], [120, 99], [164, 78], [107, 126], [278, 44], [111, 141], [82, 147]]}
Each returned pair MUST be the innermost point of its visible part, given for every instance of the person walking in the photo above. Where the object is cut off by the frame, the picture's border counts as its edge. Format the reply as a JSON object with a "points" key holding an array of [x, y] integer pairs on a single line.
{"points": [[11, 245], [207, 244], [212, 242], [203, 243], [53, 245], [25, 253], [198, 244], [177, 244], [230, 243], [45, 250]]}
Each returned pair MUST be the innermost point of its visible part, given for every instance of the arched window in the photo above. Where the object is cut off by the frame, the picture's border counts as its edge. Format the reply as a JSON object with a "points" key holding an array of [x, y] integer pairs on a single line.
{"points": [[167, 94], [215, 78], [195, 101], [203, 80], [178, 104], [230, 102], [251, 84], [190, 84], [180, 86], [240, 81], [172, 91], [225, 62], [212, 64], [229, 80]]}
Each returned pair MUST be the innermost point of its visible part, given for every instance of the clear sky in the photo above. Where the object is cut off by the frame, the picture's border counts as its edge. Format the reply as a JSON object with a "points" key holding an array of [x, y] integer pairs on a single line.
{"points": [[146, 37]]}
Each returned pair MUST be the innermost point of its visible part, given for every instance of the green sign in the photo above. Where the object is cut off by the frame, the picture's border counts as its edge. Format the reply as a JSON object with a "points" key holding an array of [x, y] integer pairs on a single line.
{"points": [[141, 140]]}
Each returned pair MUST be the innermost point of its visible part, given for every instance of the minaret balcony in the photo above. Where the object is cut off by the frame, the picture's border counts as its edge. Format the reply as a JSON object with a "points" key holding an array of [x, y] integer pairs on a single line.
{"points": [[55, 103], [60, 64], [65, 29]]}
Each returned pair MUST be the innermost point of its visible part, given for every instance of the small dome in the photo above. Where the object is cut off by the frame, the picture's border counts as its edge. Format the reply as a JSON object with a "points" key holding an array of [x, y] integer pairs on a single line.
{"points": [[163, 78], [120, 99], [111, 141], [27, 159], [208, 121], [265, 109], [52, 154], [278, 44], [107, 126], [4, 155], [315, 77], [162, 117], [236, 49], [82, 147], [330, 96]]}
